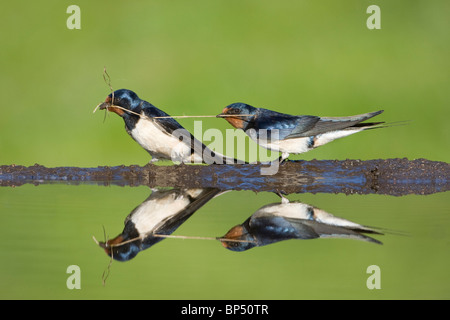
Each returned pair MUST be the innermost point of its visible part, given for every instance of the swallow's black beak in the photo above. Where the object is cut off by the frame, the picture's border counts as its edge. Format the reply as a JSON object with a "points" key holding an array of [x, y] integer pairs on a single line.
{"points": [[107, 245], [223, 114], [104, 105], [108, 105]]}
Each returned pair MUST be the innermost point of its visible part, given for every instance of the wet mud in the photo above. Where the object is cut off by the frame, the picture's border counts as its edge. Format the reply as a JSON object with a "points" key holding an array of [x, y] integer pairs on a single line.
{"points": [[395, 177]]}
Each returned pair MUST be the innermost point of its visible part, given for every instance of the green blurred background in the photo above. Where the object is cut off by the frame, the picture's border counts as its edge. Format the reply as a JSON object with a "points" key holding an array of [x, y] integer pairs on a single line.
{"points": [[194, 58]]}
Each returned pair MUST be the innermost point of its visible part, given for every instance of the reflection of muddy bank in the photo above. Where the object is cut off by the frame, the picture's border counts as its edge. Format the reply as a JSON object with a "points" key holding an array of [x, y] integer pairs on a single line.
{"points": [[390, 176]]}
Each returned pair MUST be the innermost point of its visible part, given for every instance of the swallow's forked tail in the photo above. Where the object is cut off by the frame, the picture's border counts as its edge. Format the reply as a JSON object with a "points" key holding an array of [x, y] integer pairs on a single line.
{"points": [[377, 125]]}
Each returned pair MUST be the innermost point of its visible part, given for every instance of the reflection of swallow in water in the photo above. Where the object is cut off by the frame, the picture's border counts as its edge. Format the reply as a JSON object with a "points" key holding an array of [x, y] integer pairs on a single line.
{"points": [[293, 134], [161, 213], [292, 220], [163, 138]]}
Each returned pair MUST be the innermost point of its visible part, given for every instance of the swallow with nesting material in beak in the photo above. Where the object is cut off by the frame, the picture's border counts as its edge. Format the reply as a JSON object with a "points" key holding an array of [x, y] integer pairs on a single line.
{"points": [[160, 214], [163, 138], [291, 220], [293, 134]]}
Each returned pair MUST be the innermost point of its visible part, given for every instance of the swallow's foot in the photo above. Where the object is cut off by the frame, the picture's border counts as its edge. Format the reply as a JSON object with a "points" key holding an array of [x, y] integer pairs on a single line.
{"points": [[282, 159]]}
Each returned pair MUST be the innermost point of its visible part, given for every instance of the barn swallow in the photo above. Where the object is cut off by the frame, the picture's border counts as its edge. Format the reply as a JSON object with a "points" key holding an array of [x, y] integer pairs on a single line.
{"points": [[163, 138], [293, 134], [161, 214], [291, 220]]}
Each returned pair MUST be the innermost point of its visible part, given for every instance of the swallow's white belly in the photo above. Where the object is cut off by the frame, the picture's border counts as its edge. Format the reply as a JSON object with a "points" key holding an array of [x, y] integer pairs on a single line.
{"points": [[153, 213], [295, 210], [160, 144], [302, 144], [296, 145]]}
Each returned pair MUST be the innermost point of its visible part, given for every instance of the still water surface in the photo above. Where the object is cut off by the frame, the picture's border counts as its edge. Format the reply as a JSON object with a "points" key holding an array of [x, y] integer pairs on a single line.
{"points": [[47, 228]]}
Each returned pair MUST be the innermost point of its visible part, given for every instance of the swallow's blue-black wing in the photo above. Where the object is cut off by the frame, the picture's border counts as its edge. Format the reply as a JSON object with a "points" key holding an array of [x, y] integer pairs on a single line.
{"points": [[274, 228], [167, 124], [327, 124], [272, 124], [288, 126]]}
